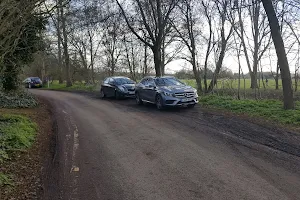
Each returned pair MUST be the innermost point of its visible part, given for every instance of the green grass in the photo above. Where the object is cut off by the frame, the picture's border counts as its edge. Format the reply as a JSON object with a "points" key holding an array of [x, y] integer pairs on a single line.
{"points": [[268, 109], [6, 180], [77, 86], [16, 133]]}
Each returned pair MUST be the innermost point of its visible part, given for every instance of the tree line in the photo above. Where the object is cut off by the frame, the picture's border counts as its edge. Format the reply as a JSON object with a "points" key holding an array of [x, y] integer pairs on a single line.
{"points": [[85, 38]]}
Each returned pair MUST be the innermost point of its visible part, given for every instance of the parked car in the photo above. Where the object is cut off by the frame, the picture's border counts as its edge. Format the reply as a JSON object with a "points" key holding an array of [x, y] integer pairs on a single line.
{"points": [[33, 82], [118, 87], [165, 91]]}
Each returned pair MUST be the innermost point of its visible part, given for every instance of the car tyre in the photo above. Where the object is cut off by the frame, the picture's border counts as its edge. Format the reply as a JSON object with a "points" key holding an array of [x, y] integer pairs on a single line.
{"points": [[159, 103], [138, 99]]}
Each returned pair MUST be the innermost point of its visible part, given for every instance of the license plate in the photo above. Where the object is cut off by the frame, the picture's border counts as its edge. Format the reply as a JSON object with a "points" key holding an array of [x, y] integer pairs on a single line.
{"points": [[131, 92], [37, 85], [186, 100]]}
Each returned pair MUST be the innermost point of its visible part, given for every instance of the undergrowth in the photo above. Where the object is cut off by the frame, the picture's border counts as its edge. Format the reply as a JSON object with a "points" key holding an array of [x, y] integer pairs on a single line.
{"points": [[16, 133], [17, 99]]}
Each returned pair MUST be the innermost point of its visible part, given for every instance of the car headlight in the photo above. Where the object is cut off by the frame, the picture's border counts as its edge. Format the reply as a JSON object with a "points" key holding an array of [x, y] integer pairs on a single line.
{"points": [[168, 94], [122, 88], [196, 93]]}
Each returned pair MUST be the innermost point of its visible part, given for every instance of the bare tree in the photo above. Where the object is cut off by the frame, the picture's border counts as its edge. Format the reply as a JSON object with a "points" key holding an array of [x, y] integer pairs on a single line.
{"points": [[222, 7], [188, 34], [153, 26], [256, 44]]}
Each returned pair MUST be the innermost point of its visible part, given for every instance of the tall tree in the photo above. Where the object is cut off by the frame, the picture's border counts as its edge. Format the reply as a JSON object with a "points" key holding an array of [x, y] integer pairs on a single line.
{"points": [[188, 34], [153, 26], [65, 43], [20, 37], [288, 95], [225, 35]]}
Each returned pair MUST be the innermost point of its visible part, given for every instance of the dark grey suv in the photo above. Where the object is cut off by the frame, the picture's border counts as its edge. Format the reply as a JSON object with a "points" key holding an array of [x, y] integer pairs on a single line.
{"points": [[165, 91]]}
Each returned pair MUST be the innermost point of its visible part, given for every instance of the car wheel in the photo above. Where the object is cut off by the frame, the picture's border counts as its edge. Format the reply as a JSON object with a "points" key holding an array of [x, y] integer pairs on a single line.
{"points": [[138, 99], [159, 103], [102, 94]]}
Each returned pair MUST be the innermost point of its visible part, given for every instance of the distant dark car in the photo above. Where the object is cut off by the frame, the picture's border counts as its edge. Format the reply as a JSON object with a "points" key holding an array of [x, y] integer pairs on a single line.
{"points": [[118, 87], [33, 82], [165, 91]]}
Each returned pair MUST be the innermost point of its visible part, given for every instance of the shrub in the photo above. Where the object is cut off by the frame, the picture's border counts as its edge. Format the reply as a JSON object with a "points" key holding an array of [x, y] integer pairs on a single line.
{"points": [[19, 99]]}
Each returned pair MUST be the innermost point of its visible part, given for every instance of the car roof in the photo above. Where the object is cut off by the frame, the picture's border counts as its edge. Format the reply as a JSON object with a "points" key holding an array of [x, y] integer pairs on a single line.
{"points": [[34, 77], [156, 77], [116, 77]]}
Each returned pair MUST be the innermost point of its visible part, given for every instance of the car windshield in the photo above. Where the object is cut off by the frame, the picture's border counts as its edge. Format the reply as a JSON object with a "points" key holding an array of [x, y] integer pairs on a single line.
{"points": [[122, 81], [168, 82], [35, 79]]}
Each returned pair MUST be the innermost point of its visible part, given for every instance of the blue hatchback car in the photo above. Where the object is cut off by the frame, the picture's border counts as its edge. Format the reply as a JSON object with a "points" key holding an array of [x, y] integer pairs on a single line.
{"points": [[165, 91], [33, 82]]}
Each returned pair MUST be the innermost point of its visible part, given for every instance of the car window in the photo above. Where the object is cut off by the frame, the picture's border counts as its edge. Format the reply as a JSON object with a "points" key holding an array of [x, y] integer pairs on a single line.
{"points": [[121, 81], [35, 79], [106, 80], [151, 82], [143, 81], [169, 81], [111, 81]]}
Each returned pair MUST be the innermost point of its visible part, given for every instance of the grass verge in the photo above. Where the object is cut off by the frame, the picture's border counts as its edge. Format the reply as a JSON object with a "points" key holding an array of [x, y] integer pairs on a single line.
{"points": [[17, 133], [271, 110]]}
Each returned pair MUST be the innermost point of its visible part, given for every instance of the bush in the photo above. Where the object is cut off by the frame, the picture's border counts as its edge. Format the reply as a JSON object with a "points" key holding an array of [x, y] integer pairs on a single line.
{"points": [[19, 99]]}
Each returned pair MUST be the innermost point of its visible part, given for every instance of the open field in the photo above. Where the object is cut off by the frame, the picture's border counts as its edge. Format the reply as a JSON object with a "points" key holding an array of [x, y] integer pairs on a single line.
{"points": [[229, 87], [233, 83]]}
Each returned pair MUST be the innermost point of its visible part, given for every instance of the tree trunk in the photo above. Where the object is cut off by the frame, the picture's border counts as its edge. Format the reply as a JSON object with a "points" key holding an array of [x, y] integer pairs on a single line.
{"points": [[253, 77], [256, 9], [92, 57], [196, 72], [218, 68], [59, 41], [277, 77], [296, 81], [288, 96], [145, 71], [65, 47], [157, 60], [239, 81]]}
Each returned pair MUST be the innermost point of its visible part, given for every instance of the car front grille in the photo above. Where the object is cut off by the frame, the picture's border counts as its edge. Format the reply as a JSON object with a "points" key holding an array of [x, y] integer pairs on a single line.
{"points": [[131, 89], [185, 95]]}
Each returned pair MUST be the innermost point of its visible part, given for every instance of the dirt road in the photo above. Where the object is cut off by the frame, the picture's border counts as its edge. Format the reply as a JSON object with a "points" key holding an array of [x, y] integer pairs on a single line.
{"points": [[108, 149]]}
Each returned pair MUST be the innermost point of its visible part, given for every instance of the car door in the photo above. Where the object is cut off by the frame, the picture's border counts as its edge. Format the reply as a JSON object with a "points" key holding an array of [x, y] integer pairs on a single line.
{"points": [[111, 87], [140, 88], [104, 86], [150, 90]]}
